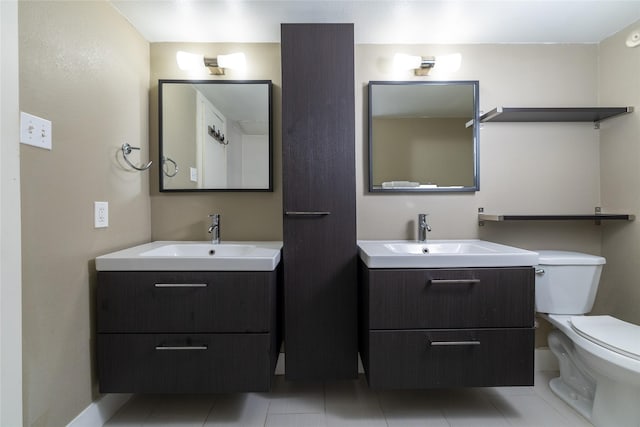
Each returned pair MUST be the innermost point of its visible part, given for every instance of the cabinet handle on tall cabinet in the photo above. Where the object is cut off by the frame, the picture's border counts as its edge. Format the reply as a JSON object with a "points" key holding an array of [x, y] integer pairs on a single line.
{"points": [[307, 213], [181, 348]]}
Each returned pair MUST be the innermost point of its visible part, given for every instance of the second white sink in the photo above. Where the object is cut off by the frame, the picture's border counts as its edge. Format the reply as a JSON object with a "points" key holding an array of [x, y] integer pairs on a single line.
{"points": [[442, 254]]}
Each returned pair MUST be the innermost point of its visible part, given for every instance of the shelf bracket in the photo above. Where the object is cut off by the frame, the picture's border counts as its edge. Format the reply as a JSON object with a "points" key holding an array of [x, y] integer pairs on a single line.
{"points": [[598, 209], [480, 222]]}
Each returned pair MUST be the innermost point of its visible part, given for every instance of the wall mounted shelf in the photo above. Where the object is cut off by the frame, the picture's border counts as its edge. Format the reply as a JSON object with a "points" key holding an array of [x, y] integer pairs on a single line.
{"points": [[568, 114], [552, 217]]}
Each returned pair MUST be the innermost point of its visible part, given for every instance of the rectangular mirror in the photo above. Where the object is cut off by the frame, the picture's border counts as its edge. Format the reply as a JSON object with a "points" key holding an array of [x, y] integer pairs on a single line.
{"points": [[215, 135], [423, 136]]}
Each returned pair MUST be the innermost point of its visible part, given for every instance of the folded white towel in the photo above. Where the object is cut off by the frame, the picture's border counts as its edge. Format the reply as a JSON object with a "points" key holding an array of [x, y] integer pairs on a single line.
{"points": [[400, 184]]}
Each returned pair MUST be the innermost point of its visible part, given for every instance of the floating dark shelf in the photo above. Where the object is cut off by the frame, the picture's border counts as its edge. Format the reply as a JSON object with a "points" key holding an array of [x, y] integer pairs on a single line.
{"points": [[569, 114], [562, 217]]}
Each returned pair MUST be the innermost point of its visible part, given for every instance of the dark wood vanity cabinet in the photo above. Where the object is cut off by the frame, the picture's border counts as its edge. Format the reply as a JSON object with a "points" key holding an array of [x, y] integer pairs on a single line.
{"points": [[186, 332], [319, 225], [437, 328]]}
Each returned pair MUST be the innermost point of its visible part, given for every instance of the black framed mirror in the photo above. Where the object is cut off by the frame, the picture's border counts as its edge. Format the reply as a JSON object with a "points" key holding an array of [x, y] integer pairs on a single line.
{"points": [[215, 135], [423, 136]]}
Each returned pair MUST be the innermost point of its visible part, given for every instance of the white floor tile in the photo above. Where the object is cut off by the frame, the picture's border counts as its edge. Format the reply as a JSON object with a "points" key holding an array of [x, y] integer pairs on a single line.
{"points": [[412, 408], [352, 404], [296, 398], [134, 413], [470, 407], [295, 420], [239, 409], [181, 411]]}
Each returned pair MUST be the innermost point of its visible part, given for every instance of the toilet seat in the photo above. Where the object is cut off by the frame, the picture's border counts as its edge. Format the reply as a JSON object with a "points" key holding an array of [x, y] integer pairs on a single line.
{"points": [[613, 334]]}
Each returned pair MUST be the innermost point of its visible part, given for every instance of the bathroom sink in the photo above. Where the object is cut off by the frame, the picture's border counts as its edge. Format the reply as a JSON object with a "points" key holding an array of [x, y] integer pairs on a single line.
{"points": [[442, 254], [207, 250], [193, 256]]}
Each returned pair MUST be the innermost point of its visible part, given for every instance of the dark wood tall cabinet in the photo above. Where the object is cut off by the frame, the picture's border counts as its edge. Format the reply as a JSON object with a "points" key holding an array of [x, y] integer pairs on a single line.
{"points": [[320, 249]]}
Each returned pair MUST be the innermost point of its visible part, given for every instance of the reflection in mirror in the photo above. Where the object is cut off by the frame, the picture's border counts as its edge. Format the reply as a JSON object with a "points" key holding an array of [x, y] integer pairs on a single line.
{"points": [[215, 135], [423, 136]]}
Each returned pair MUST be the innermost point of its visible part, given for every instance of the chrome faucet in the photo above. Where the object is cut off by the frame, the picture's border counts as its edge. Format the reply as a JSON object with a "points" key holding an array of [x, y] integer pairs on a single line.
{"points": [[423, 227], [214, 228]]}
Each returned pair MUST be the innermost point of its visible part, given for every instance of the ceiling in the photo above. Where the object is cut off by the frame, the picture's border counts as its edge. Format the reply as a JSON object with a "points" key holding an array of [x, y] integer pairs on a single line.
{"points": [[384, 21]]}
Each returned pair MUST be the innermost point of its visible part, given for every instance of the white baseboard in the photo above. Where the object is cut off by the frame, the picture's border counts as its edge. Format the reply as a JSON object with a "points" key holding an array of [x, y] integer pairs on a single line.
{"points": [[100, 411]]}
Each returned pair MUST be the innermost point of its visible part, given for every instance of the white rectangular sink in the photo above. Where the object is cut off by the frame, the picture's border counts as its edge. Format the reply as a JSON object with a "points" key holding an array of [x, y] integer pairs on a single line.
{"points": [[193, 256], [442, 254]]}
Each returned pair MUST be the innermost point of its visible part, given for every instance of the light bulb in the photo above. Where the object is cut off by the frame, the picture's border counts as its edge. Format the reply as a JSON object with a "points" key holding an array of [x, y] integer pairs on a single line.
{"points": [[233, 61], [403, 61], [189, 61]]}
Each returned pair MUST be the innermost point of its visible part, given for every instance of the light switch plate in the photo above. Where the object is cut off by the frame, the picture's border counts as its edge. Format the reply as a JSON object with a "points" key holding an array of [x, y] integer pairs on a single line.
{"points": [[35, 131], [101, 214], [193, 172]]}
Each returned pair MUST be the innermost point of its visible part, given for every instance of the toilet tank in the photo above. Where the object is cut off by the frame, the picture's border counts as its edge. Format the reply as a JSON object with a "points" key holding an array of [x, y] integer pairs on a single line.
{"points": [[567, 282]]}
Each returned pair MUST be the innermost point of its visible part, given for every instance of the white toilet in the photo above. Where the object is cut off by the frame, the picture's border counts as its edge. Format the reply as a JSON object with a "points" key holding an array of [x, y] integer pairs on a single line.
{"points": [[599, 356]]}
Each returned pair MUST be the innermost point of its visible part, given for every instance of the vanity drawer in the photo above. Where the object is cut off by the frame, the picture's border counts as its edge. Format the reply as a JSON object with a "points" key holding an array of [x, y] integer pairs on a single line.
{"points": [[193, 302], [416, 359], [449, 298], [185, 363]]}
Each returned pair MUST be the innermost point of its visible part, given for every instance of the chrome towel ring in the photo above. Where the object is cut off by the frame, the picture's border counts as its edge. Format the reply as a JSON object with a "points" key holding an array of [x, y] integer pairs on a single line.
{"points": [[126, 150], [164, 169]]}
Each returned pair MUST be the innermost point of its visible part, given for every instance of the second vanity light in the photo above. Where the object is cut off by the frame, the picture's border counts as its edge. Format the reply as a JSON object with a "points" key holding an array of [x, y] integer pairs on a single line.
{"points": [[423, 65], [217, 65]]}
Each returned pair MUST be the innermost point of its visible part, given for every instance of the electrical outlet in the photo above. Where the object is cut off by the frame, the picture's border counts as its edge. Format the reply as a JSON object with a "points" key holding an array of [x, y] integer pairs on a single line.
{"points": [[35, 131], [101, 214]]}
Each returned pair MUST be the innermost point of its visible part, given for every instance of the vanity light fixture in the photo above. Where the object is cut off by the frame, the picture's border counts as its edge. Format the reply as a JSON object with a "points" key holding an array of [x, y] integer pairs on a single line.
{"points": [[217, 65], [423, 65]]}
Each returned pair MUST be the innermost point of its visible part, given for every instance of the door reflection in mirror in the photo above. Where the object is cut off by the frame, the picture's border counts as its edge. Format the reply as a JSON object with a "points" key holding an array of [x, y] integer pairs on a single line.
{"points": [[219, 132]]}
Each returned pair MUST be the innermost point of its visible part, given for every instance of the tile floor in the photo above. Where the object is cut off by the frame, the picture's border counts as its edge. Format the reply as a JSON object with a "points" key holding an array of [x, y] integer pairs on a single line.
{"points": [[351, 403]]}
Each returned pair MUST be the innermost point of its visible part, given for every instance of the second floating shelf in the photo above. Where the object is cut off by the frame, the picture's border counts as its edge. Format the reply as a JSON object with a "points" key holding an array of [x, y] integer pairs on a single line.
{"points": [[545, 114]]}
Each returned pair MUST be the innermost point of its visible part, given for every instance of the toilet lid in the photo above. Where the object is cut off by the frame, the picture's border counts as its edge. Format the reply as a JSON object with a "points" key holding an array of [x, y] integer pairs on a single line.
{"points": [[609, 332]]}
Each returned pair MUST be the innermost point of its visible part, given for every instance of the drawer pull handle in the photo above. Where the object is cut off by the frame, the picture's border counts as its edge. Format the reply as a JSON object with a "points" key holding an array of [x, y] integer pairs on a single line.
{"points": [[454, 281], [180, 285], [181, 348], [307, 213], [452, 343]]}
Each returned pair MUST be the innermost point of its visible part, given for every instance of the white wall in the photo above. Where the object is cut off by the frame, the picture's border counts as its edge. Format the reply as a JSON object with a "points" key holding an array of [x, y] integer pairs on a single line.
{"points": [[10, 256]]}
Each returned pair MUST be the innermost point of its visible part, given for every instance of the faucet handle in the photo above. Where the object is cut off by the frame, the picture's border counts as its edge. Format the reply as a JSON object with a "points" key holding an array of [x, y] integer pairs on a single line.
{"points": [[215, 217]]}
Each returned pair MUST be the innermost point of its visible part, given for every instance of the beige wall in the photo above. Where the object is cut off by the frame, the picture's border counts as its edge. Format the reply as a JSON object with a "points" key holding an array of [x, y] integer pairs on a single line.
{"points": [[245, 215], [523, 167], [619, 85], [179, 122], [426, 150], [83, 67]]}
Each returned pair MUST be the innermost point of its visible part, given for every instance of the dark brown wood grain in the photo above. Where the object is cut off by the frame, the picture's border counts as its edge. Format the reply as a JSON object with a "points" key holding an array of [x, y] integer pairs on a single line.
{"points": [[320, 252], [225, 336]]}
